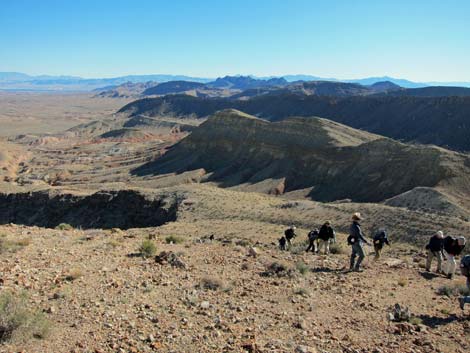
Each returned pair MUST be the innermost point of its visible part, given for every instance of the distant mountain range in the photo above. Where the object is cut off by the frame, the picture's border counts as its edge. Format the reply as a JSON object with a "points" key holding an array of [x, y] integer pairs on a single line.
{"points": [[21, 81]]}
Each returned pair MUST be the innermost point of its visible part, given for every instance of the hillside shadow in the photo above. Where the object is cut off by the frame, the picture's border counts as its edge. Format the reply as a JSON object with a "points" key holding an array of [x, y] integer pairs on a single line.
{"points": [[428, 275], [434, 321], [325, 270]]}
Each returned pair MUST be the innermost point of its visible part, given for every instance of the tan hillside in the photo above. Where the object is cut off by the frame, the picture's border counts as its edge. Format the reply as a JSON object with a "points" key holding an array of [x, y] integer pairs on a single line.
{"points": [[324, 160]]}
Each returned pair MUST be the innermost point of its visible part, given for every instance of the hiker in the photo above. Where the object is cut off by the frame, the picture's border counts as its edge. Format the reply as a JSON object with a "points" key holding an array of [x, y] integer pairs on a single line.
{"points": [[452, 248], [356, 240], [434, 250], [325, 235], [380, 238], [465, 270], [282, 243], [312, 238], [290, 234]]}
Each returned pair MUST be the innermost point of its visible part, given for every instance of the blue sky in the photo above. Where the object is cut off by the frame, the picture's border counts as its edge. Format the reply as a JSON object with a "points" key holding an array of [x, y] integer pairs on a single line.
{"points": [[416, 39]]}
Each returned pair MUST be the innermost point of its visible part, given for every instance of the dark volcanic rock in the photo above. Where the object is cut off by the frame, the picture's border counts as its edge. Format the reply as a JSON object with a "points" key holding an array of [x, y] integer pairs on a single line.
{"points": [[104, 209]]}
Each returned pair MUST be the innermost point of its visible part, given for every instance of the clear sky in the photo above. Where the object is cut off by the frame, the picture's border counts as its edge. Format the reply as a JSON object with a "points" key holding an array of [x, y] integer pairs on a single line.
{"points": [[421, 40]]}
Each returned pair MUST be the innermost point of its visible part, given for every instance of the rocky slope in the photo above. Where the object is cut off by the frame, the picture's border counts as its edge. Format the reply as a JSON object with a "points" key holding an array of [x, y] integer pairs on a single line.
{"points": [[99, 295], [430, 120], [327, 160]]}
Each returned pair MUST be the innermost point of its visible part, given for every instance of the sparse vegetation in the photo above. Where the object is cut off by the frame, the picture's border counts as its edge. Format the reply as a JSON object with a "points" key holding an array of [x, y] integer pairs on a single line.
{"points": [[147, 248], [298, 247], [73, 274], [64, 226], [17, 322], [414, 320], [302, 267], [13, 245], [450, 290], [402, 282], [173, 239], [301, 291], [337, 249], [211, 283]]}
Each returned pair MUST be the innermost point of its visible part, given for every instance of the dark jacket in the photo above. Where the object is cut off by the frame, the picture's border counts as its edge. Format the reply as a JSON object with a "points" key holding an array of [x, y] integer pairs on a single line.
{"points": [[356, 233], [289, 233], [326, 233], [313, 235], [381, 238], [435, 244], [452, 247]]}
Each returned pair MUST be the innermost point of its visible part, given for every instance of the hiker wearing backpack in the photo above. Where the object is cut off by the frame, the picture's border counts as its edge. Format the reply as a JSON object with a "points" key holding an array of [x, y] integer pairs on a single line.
{"points": [[465, 270], [312, 238], [434, 250], [282, 243], [380, 238], [325, 235], [356, 240], [452, 248], [290, 234]]}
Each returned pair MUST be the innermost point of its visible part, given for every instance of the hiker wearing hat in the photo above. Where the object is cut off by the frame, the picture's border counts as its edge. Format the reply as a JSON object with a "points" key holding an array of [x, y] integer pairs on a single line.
{"points": [[465, 270], [356, 240], [452, 248], [290, 234], [434, 250], [325, 235]]}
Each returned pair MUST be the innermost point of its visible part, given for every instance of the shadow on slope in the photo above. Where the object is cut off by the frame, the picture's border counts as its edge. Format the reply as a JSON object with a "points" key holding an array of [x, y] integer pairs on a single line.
{"points": [[334, 161]]}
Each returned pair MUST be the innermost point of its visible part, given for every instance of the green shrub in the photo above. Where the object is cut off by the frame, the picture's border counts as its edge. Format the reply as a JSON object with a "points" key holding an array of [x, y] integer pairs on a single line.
{"points": [[173, 239], [17, 322], [64, 226], [147, 248], [302, 268]]}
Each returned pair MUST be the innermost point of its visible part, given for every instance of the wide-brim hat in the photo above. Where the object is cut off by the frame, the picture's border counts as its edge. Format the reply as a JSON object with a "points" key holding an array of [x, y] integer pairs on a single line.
{"points": [[357, 216]]}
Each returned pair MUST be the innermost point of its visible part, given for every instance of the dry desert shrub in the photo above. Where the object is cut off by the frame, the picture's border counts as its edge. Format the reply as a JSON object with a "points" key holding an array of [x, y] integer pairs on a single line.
{"points": [[211, 283], [73, 274], [13, 245], [450, 290], [173, 239], [302, 267], [17, 322], [64, 226], [147, 248]]}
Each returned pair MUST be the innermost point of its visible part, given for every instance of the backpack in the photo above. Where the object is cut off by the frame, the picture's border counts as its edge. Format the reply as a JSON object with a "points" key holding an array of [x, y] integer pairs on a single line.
{"points": [[351, 239], [465, 265], [379, 237], [313, 235]]}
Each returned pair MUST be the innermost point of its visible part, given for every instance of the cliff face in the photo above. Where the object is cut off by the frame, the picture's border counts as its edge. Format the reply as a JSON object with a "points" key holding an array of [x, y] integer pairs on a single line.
{"points": [[105, 209], [333, 161]]}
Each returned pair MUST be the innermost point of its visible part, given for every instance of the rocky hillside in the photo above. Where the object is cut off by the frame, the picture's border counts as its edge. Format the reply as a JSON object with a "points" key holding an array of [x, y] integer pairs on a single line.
{"points": [[442, 121], [99, 292], [326, 160]]}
